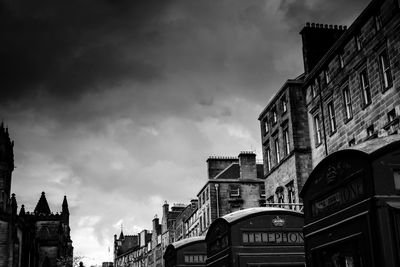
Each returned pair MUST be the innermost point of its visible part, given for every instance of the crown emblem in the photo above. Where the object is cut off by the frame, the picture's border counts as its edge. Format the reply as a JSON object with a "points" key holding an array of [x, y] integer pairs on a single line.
{"points": [[278, 221]]}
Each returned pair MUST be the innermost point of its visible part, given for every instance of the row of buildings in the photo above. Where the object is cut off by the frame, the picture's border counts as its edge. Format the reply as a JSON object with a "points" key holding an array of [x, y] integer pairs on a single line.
{"points": [[33, 239], [347, 95], [233, 183]]}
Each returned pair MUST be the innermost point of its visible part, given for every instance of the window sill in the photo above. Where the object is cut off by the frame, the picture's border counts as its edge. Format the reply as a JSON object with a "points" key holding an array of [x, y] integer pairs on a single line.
{"points": [[332, 133], [372, 136], [347, 120], [365, 105], [391, 123], [385, 89]]}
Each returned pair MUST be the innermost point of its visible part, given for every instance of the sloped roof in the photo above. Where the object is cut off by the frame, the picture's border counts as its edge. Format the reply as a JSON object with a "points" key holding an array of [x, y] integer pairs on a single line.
{"points": [[42, 206], [237, 215], [188, 241], [233, 172]]}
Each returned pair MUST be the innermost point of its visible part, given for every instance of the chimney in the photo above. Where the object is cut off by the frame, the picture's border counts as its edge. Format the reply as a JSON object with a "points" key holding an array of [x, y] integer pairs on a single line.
{"points": [[247, 165], [317, 40], [217, 164], [165, 209], [156, 223], [194, 203]]}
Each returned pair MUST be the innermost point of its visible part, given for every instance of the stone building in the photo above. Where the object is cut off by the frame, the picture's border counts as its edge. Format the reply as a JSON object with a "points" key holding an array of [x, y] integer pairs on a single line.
{"points": [[192, 222], [348, 94], [353, 91], [234, 183], [286, 144], [132, 250], [168, 223], [155, 254], [33, 239], [180, 225]]}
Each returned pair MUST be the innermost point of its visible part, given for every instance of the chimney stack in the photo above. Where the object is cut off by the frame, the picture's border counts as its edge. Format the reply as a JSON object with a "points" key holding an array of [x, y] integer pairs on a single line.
{"points": [[317, 40], [247, 165]]}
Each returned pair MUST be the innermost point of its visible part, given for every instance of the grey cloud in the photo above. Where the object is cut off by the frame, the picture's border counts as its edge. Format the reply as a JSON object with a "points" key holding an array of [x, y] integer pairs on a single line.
{"points": [[342, 12], [64, 48]]}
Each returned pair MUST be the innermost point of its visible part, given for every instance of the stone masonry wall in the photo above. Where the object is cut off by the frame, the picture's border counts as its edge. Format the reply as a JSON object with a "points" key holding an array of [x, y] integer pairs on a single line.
{"points": [[374, 41], [4, 232]]}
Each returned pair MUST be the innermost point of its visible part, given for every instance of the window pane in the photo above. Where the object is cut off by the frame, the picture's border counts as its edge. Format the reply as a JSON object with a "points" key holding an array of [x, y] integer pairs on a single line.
{"points": [[245, 238]]}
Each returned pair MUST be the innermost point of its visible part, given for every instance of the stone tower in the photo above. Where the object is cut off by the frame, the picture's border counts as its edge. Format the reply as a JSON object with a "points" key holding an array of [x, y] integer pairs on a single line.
{"points": [[6, 168]]}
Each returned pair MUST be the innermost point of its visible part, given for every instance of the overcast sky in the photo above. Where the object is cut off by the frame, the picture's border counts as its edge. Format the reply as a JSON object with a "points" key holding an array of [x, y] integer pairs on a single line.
{"points": [[118, 103]]}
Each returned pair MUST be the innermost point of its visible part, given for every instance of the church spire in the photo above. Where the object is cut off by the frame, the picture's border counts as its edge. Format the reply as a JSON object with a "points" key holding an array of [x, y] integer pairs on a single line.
{"points": [[42, 205], [14, 205], [121, 235], [22, 210], [65, 209]]}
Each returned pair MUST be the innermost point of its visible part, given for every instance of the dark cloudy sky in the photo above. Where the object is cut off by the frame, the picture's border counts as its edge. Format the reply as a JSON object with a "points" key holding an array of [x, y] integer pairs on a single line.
{"points": [[118, 103]]}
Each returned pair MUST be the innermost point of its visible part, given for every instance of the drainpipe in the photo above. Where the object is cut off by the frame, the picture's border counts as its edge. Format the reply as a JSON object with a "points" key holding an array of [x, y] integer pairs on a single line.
{"points": [[216, 189]]}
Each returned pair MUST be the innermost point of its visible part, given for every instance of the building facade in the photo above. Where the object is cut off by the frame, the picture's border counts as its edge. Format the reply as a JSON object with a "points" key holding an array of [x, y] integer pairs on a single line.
{"points": [[348, 94], [233, 184], [286, 145], [353, 91], [132, 250], [180, 222]]}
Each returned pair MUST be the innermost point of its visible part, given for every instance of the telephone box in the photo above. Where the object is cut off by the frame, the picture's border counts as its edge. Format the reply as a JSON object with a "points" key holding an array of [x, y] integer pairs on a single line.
{"points": [[351, 207], [186, 252], [256, 237]]}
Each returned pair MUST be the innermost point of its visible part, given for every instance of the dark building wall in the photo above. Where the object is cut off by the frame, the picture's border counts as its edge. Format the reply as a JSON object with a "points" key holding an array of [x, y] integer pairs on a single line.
{"points": [[4, 243], [374, 41]]}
